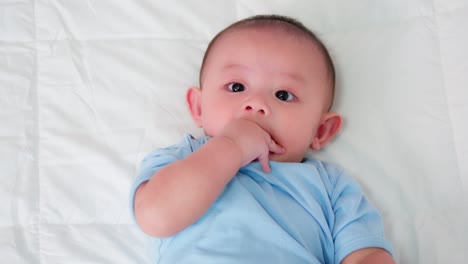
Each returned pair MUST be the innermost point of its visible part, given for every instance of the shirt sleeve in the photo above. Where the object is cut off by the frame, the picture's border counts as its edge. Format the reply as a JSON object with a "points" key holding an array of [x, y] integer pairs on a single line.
{"points": [[155, 161], [357, 223]]}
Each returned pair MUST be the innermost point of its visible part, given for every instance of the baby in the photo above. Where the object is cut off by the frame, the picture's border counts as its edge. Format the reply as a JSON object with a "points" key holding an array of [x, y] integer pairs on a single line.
{"points": [[247, 192]]}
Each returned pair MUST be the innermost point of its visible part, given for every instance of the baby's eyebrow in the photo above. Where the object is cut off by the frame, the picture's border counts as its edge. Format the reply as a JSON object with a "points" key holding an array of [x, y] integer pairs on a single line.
{"points": [[290, 75], [295, 77], [234, 66]]}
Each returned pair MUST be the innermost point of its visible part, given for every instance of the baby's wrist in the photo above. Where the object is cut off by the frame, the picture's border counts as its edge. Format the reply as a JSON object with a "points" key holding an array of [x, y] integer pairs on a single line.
{"points": [[233, 148]]}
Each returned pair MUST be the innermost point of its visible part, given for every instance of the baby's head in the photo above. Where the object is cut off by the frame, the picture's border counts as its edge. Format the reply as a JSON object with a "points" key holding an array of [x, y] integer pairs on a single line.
{"points": [[274, 71]]}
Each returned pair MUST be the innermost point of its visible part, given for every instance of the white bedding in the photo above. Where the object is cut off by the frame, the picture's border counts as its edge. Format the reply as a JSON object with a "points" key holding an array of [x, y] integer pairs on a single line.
{"points": [[87, 88]]}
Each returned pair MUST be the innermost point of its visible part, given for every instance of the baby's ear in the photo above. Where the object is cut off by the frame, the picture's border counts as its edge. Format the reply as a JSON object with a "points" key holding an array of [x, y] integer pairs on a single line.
{"points": [[193, 98], [329, 127]]}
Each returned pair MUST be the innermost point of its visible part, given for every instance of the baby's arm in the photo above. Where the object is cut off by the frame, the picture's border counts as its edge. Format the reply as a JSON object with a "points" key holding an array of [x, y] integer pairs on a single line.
{"points": [[369, 256], [181, 192]]}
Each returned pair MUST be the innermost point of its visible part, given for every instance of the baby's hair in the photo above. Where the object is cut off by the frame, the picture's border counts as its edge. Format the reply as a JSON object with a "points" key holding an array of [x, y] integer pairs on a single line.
{"points": [[284, 23]]}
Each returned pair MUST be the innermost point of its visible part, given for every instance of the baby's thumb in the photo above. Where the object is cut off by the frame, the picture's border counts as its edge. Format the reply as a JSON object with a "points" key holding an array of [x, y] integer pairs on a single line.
{"points": [[275, 148]]}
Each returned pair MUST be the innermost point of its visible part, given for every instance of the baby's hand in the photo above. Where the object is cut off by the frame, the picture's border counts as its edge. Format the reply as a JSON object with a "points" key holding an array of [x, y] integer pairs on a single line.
{"points": [[253, 141]]}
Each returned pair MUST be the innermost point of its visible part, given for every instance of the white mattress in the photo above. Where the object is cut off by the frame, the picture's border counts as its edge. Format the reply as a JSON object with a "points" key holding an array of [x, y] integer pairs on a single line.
{"points": [[87, 88]]}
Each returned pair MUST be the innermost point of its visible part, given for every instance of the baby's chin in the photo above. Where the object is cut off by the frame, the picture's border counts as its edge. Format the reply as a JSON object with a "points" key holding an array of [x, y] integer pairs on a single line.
{"points": [[285, 158]]}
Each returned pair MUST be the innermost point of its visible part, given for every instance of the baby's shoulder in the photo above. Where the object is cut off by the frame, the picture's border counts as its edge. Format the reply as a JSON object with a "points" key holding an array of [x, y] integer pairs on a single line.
{"points": [[174, 152]]}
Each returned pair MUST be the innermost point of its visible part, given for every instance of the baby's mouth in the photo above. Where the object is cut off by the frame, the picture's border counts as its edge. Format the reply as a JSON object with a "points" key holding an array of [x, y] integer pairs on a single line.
{"points": [[272, 136]]}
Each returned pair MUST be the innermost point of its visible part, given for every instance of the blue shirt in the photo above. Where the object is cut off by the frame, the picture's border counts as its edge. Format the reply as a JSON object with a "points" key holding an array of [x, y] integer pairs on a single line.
{"points": [[309, 212]]}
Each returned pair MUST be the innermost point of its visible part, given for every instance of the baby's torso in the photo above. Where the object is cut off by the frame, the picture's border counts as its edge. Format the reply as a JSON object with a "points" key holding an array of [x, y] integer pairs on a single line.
{"points": [[281, 217]]}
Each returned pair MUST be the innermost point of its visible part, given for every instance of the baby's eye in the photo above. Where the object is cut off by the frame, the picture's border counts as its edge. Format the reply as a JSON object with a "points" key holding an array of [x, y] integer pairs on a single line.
{"points": [[236, 87], [285, 95]]}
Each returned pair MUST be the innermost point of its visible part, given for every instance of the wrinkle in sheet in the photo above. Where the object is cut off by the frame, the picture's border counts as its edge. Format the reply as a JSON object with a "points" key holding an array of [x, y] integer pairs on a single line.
{"points": [[60, 14], [449, 106], [79, 60], [91, 7], [23, 207]]}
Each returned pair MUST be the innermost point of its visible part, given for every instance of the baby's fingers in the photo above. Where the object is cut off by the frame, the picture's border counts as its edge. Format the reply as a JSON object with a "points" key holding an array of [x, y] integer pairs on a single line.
{"points": [[264, 162], [275, 148]]}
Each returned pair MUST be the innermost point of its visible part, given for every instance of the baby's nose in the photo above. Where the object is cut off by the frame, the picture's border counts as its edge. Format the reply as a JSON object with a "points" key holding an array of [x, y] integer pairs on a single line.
{"points": [[256, 106]]}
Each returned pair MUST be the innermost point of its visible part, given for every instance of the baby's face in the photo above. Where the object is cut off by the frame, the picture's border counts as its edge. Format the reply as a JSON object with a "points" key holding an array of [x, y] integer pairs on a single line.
{"points": [[277, 80]]}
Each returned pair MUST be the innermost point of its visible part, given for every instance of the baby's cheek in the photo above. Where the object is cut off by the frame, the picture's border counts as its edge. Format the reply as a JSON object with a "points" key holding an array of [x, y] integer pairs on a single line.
{"points": [[214, 126]]}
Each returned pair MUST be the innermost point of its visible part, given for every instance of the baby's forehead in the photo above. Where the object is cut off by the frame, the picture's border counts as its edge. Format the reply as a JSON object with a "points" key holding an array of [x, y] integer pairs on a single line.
{"points": [[276, 29], [245, 36], [240, 38]]}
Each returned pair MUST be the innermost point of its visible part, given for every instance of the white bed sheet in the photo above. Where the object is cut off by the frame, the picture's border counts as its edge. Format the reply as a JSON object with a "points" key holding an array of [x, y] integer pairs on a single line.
{"points": [[87, 88]]}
